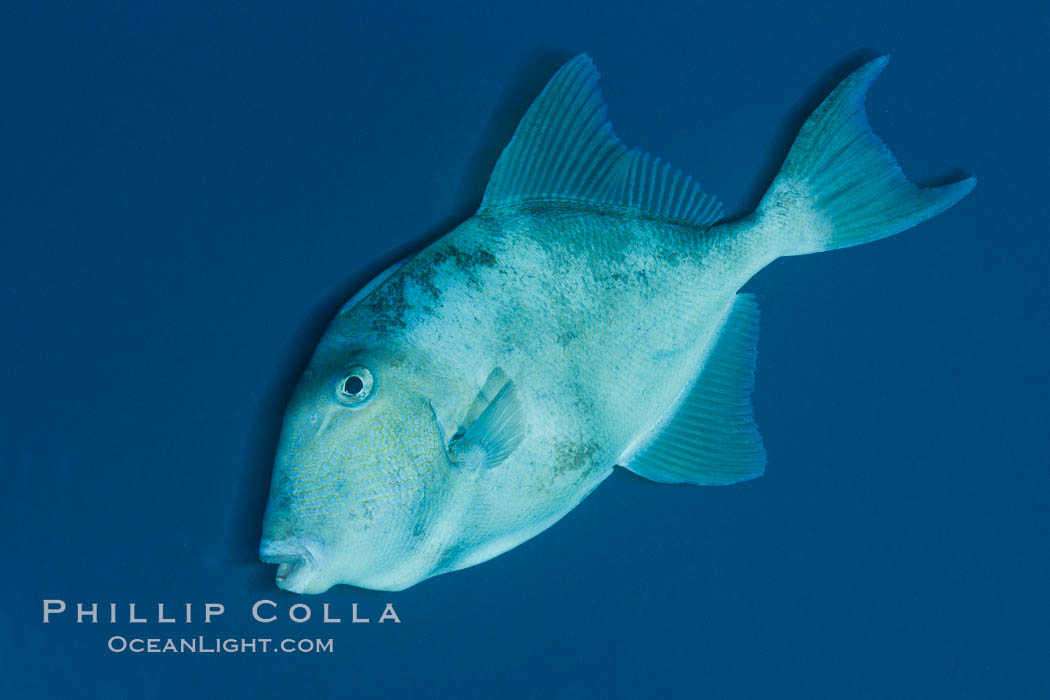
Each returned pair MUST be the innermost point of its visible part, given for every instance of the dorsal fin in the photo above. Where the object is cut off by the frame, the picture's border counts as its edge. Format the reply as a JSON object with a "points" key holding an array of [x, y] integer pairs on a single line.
{"points": [[373, 285], [565, 149]]}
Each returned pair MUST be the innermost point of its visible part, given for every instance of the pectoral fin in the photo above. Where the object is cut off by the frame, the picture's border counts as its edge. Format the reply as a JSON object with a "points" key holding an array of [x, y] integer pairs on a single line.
{"points": [[493, 428], [712, 438]]}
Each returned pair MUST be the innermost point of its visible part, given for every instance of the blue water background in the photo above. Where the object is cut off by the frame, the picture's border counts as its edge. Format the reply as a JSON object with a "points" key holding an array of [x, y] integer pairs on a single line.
{"points": [[191, 189]]}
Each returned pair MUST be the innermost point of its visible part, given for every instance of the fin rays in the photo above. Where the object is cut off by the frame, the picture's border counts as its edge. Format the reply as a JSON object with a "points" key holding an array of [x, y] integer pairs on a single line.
{"points": [[712, 438], [565, 149]]}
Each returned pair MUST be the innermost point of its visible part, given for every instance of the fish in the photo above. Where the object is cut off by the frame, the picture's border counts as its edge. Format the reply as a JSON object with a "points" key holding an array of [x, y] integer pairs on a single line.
{"points": [[588, 316]]}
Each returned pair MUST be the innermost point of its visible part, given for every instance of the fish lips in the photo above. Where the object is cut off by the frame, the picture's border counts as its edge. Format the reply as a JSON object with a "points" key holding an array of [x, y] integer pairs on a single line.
{"points": [[299, 563]]}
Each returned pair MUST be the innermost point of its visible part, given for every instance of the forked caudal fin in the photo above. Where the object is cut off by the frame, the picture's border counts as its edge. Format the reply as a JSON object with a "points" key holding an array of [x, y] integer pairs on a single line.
{"points": [[840, 185]]}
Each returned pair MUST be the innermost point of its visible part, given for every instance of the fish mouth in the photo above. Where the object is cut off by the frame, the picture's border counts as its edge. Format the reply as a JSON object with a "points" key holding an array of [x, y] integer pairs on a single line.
{"points": [[297, 561]]}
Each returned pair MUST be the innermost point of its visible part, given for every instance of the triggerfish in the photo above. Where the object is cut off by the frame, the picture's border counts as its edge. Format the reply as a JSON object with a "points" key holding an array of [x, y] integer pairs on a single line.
{"points": [[587, 316]]}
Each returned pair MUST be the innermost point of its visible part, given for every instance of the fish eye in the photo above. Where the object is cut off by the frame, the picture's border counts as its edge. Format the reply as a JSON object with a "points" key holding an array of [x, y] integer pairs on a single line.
{"points": [[356, 386]]}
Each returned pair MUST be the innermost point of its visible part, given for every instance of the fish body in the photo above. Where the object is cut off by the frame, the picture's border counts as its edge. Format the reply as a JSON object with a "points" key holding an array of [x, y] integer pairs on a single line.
{"points": [[587, 316]]}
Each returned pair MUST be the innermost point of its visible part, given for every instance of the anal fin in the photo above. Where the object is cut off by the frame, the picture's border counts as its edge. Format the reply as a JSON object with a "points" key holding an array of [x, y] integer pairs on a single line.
{"points": [[712, 439]]}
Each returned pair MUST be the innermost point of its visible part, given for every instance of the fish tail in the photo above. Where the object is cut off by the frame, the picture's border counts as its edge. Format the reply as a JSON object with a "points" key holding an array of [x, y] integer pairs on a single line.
{"points": [[840, 185]]}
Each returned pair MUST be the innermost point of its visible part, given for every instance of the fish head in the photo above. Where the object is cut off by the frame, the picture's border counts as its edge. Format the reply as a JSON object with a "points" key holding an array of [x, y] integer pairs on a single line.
{"points": [[361, 471]]}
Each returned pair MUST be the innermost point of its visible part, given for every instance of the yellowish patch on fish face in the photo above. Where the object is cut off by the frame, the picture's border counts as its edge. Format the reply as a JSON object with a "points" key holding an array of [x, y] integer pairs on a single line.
{"points": [[361, 472]]}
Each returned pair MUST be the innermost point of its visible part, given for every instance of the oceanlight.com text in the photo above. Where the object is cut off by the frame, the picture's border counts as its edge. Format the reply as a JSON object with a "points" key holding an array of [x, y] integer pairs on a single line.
{"points": [[217, 645]]}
